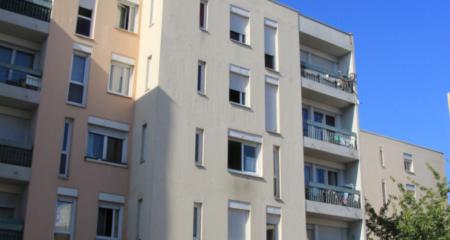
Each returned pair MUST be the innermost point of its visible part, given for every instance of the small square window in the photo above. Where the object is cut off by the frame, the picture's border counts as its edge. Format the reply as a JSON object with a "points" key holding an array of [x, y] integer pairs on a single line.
{"points": [[120, 78], [238, 89], [109, 221], [243, 156], [106, 145], [239, 25]]}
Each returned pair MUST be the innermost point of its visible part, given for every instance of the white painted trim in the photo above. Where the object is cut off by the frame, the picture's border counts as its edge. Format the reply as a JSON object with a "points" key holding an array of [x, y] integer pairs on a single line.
{"points": [[244, 136], [272, 80], [274, 210], [108, 124], [240, 11], [270, 23], [132, 1], [123, 59], [239, 205], [83, 48], [114, 198], [69, 192], [240, 70]]}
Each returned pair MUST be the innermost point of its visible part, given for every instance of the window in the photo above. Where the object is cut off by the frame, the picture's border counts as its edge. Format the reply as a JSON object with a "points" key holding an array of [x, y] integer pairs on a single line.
{"points": [[308, 173], [382, 157], [276, 172], [239, 25], [65, 218], [321, 63], [78, 79], [203, 14], [106, 145], [271, 99], [197, 231], [383, 191], [332, 178], [201, 76], [310, 232], [126, 12], [85, 17], [270, 41], [238, 222], [199, 146], [411, 188], [120, 78], [242, 156], [109, 222], [139, 220], [408, 162], [239, 82], [272, 227], [148, 76], [322, 175], [152, 6], [65, 149], [16, 59], [143, 142]]}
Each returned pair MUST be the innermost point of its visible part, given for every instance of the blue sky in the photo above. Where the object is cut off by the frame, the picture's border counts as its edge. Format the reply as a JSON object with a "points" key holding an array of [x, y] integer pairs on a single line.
{"points": [[403, 64]]}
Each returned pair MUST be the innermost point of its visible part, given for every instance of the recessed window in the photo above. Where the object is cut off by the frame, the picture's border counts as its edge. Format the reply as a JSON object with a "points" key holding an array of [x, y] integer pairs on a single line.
{"points": [[381, 152], [65, 218], [126, 13], [243, 156], [106, 145], [272, 227], [85, 17], [65, 149], [139, 220], [14, 60], [320, 63], [408, 162], [203, 21], [325, 176], [270, 43], [411, 188], [276, 172], [143, 143], [239, 25], [148, 74], [238, 223], [197, 227], [201, 77], [152, 8], [78, 79], [271, 111], [383, 191], [199, 146], [120, 78], [109, 221], [239, 85]]}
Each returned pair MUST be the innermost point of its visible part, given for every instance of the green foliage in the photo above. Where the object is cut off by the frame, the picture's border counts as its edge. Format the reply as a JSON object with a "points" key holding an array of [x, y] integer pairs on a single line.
{"points": [[406, 217]]}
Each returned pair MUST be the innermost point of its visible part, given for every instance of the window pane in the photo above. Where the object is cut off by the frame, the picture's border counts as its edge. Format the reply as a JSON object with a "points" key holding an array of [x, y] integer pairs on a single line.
{"points": [[234, 35], [116, 222], [202, 15], [63, 216], [5, 55], [4, 72], [249, 158], [320, 174], [24, 59], [234, 155], [318, 117], [85, 12], [95, 146], [65, 136], [270, 232], [83, 26], [19, 77], [62, 164], [78, 68], [270, 61], [114, 150], [76, 93], [307, 171], [237, 224], [235, 96], [105, 222], [330, 121], [332, 178], [124, 12]]}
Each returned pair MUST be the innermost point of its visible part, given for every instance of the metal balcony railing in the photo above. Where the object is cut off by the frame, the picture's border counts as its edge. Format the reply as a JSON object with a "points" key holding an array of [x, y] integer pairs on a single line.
{"points": [[333, 195], [20, 76], [15, 155], [329, 134], [26, 8], [11, 229], [338, 82]]}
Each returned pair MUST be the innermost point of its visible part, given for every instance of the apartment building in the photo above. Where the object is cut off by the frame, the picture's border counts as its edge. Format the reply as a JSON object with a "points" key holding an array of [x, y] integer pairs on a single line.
{"points": [[128, 119], [384, 158]]}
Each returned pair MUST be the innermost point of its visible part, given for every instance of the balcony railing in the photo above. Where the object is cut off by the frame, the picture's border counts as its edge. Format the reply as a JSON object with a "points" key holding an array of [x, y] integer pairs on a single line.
{"points": [[20, 76], [339, 82], [329, 134], [333, 195], [11, 229], [26, 8], [15, 155]]}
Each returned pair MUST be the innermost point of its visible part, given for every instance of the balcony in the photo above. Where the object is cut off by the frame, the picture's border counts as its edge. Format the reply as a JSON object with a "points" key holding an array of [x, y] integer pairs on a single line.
{"points": [[26, 8], [343, 83], [340, 202], [329, 143], [11, 229], [15, 162], [19, 86]]}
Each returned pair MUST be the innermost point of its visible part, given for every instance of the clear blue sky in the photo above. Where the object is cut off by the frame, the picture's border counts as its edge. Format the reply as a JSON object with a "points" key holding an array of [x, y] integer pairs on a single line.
{"points": [[402, 61]]}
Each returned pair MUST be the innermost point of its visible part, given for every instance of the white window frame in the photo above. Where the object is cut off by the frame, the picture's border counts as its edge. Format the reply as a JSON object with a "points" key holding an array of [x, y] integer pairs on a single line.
{"points": [[91, 19], [113, 207], [408, 158], [198, 211], [257, 147], [245, 73], [326, 169], [85, 83], [201, 77], [268, 23], [69, 123], [73, 201], [132, 15], [241, 13], [199, 148], [107, 132], [124, 67], [205, 15], [14, 49]]}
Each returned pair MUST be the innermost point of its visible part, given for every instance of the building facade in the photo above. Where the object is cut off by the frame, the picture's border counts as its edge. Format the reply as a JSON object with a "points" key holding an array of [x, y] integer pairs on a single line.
{"points": [[151, 119]]}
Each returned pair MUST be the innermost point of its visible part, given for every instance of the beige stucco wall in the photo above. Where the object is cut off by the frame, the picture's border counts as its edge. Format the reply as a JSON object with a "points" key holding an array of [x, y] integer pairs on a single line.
{"points": [[373, 172], [89, 178]]}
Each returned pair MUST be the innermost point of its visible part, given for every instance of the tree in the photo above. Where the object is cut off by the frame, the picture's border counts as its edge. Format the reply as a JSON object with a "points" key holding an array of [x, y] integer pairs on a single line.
{"points": [[406, 217]]}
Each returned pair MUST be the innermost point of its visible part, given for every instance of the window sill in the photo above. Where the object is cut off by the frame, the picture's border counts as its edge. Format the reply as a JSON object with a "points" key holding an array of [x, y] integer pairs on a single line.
{"points": [[92, 160], [126, 31], [273, 71], [245, 174], [241, 44], [244, 107], [89, 38], [76, 104], [119, 94], [201, 94], [276, 134], [410, 172], [204, 30], [63, 177], [200, 166]]}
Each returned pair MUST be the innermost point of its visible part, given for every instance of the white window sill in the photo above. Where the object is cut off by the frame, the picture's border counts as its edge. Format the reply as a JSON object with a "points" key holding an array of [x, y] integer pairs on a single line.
{"points": [[410, 172], [119, 94], [241, 44], [90, 38], [245, 174], [202, 94], [76, 104], [275, 133], [244, 107], [92, 160], [273, 71], [126, 31], [204, 30]]}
